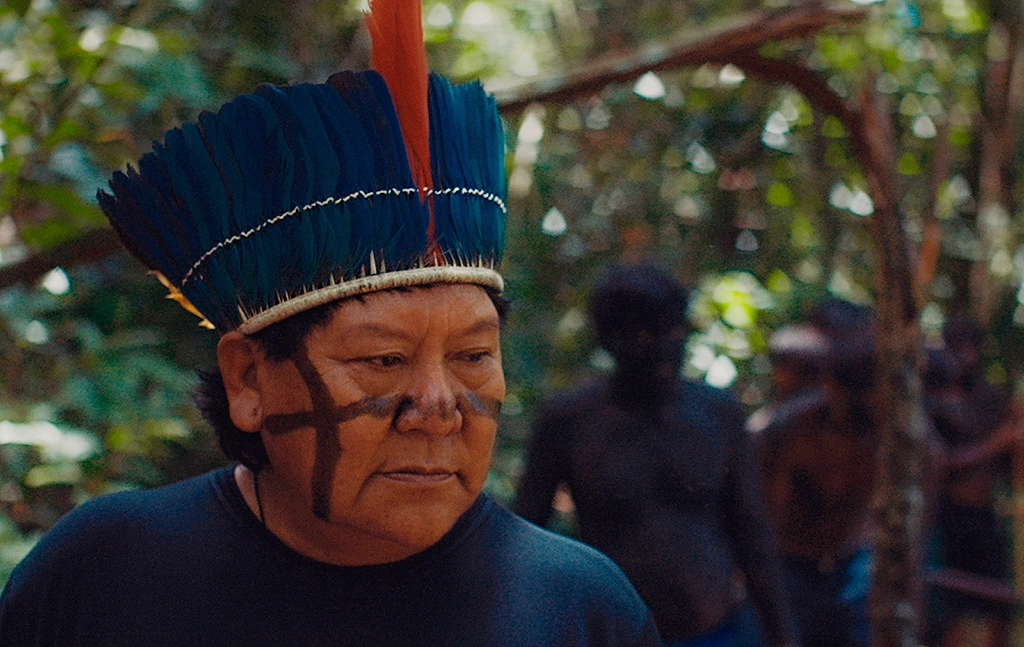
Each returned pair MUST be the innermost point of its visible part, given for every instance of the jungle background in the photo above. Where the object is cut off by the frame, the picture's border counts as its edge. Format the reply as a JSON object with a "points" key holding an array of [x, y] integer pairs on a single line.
{"points": [[629, 136]]}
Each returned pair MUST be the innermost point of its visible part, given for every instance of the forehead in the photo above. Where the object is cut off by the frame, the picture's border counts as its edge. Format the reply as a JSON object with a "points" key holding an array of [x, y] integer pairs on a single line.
{"points": [[458, 306]]}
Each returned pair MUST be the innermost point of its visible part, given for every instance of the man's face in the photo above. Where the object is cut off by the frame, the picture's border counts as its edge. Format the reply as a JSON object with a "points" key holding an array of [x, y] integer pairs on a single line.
{"points": [[645, 354], [380, 430]]}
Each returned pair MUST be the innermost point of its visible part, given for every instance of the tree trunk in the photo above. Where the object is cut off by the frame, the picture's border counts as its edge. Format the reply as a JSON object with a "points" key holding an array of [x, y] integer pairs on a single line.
{"points": [[1003, 78], [896, 591]]}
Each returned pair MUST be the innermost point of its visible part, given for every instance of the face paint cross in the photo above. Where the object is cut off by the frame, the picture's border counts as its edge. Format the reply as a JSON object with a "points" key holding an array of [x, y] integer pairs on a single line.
{"points": [[325, 418]]}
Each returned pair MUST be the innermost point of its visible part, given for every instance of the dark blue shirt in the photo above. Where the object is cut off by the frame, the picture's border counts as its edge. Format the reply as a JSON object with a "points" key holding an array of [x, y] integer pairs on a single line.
{"points": [[189, 564]]}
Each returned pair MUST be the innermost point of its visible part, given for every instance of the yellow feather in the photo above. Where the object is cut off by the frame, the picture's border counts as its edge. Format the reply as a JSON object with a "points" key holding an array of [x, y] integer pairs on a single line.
{"points": [[175, 294]]}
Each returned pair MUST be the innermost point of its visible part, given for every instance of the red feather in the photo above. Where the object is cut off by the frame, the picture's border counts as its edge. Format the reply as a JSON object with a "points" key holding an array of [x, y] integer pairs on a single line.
{"points": [[396, 33]]}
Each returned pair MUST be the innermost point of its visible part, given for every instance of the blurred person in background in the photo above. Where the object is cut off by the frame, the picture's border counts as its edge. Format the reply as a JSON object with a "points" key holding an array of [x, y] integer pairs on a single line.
{"points": [[661, 474], [815, 445], [978, 426]]}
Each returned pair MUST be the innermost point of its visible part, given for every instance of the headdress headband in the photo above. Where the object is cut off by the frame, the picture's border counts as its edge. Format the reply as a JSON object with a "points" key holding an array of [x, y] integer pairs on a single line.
{"points": [[295, 196]]}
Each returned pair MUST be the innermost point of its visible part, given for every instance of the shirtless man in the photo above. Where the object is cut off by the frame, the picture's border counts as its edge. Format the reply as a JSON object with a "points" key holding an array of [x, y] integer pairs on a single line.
{"points": [[661, 474], [977, 425], [815, 447]]}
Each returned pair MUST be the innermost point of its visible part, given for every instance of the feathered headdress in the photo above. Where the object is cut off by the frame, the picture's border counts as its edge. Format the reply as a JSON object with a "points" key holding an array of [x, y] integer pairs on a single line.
{"points": [[295, 196]]}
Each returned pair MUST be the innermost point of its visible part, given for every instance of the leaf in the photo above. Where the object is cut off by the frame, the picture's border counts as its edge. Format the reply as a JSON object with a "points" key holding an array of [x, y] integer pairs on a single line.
{"points": [[65, 130], [49, 233], [53, 474], [779, 195], [20, 7], [68, 202]]}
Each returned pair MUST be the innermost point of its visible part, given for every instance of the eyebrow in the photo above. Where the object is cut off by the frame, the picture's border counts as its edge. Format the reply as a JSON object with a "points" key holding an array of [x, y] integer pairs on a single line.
{"points": [[484, 325]]}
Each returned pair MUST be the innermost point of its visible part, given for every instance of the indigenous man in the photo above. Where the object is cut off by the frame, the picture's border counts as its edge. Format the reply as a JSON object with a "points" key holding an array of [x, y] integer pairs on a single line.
{"points": [[343, 239], [978, 431], [815, 445], [661, 474]]}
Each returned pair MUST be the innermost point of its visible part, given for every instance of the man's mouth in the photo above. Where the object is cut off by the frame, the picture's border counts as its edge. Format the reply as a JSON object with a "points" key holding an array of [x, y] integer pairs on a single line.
{"points": [[419, 475]]}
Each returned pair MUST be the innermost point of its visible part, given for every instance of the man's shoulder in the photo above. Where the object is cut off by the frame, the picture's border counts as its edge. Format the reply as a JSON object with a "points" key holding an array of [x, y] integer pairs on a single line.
{"points": [[559, 561], [709, 394], [554, 578], [117, 523], [124, 510], [99, 555], [544, 546], [578, 398], [805, 411], [720, 405]]}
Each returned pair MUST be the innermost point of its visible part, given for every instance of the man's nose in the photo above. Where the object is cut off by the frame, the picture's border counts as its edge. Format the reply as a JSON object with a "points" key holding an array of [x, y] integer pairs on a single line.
{"points": [[429, 404]]}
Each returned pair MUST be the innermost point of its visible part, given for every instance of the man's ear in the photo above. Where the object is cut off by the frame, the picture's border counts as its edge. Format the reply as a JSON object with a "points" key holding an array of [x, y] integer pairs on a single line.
{"points": [[237, 357]]}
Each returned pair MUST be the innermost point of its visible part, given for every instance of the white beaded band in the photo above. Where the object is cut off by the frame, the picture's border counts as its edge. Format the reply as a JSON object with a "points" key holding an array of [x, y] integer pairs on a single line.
{"points": [[292, 305]]}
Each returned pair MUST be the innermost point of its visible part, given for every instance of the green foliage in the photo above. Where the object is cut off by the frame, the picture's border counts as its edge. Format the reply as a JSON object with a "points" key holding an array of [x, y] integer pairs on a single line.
{"points": [[95, 392]]}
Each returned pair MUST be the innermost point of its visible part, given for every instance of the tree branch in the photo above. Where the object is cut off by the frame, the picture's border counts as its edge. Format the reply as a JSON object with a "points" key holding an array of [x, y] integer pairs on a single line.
{"points": [[736, 41], [738, 38], [92, 245]]}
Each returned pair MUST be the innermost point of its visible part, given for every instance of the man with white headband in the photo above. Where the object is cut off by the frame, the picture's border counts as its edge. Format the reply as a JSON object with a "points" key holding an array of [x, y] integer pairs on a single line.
{"points": [[344, 240]]}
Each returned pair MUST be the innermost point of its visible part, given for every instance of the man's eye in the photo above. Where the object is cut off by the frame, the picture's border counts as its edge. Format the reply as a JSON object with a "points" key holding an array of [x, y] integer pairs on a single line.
{"points": [[386, 361], [477, 356]]}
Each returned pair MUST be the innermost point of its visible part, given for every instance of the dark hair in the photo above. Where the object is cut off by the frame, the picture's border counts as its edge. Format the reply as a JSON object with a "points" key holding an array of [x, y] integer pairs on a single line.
{"points": [[940, 369], [280, 341], [850, 327], [962, 329], [839, 319], [630, 296]]}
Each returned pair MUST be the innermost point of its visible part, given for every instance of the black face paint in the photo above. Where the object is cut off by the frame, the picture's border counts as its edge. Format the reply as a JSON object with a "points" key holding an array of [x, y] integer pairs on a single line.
{"points": [[326, 415], [444, 410], [486, 407], [324, 419]]}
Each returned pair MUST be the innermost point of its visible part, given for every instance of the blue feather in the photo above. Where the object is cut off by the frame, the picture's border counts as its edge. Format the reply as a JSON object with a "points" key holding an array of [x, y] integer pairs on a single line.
{"points": [[463, 119], [283, 189]]}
